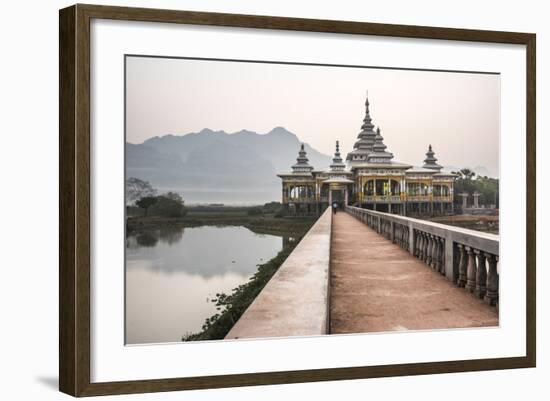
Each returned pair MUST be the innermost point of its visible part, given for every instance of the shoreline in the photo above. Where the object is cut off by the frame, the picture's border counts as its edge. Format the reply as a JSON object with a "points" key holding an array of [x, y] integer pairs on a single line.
{"points": [[262, 225]]}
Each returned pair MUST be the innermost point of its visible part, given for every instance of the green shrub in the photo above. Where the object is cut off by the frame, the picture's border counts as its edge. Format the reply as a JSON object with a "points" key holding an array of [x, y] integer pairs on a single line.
{"points": [[255, 211], [167, 207]]}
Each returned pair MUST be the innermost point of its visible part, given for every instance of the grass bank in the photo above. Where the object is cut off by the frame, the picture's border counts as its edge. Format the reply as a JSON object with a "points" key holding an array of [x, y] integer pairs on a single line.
{"points": [[222, 216]]}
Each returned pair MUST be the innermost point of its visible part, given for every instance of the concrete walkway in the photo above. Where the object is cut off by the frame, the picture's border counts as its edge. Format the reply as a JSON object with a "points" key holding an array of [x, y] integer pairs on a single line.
{"points": [[378, 286]]}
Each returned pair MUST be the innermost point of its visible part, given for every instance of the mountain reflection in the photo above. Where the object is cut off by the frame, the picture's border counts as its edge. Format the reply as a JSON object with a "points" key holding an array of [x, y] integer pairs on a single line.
{"points": [[207, 250]]}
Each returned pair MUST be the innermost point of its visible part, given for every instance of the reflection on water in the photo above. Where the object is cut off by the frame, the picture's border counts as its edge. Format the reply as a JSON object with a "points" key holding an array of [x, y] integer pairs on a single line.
{"points": [[172, 274]]}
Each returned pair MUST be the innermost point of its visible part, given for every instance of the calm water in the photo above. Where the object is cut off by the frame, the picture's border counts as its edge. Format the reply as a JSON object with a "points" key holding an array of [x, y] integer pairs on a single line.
{"points": [[172, 274]]}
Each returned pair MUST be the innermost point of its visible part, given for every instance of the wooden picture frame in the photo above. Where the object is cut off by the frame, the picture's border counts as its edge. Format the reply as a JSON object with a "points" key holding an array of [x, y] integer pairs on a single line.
{"points": [[74, 203]]}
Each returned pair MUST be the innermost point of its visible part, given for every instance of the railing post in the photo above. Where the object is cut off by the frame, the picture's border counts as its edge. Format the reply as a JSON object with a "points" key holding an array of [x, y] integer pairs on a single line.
{"points": [[392, 232], [429, 250], [481, 278], [491, 297], [421, 245], [463, 265], [472, 270], [412, 240], [426, 248], [435, 257], [435, 252], [441, 267], [450, 272]]}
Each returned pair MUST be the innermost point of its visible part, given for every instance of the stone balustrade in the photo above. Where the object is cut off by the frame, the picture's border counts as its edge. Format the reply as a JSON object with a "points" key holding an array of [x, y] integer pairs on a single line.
{"points": [[469, 258]]}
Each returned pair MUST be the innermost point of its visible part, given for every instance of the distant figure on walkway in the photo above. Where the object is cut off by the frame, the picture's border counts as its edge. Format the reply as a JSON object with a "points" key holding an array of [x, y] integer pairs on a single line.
{"points": [[334, 207]]}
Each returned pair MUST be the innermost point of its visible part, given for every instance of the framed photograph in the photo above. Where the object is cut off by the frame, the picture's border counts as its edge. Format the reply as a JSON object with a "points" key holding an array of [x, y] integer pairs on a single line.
{"points": [[250, 200]]}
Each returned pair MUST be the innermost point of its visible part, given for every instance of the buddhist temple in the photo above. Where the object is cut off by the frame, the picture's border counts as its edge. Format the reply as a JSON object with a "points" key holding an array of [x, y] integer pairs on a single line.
{"points": [[369, 178]]}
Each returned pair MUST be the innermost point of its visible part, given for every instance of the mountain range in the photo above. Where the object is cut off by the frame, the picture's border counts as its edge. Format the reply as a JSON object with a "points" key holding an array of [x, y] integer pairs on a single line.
{"points": [[216, 166]]}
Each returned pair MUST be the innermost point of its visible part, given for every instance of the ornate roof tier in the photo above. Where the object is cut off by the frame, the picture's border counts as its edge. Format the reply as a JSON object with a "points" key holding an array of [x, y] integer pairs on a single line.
{"points": [[337, 163], [379, 154], [302, 165], [430, 161]]}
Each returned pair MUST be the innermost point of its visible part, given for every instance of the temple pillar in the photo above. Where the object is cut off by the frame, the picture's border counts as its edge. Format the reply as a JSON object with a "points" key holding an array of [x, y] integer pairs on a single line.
{"points": [[476, 199], [464, 196]]}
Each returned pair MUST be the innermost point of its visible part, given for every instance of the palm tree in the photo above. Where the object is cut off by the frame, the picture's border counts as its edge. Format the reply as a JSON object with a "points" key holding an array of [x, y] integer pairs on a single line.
{"points": [[467, 174]]}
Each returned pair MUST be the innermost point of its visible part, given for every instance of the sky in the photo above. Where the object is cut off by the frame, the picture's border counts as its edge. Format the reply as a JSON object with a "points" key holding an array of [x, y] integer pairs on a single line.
{"points": [[457, 113]]}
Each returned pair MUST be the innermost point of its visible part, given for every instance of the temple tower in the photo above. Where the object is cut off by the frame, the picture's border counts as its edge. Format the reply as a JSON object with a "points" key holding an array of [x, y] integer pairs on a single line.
{"points": [[430, 161], [337, 162], [365, 139], [302, 162], [299, 187]]}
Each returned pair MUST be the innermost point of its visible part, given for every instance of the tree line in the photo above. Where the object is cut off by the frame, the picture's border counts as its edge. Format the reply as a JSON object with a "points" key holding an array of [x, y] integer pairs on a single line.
{"points": [[143, 195], [467, 181]]}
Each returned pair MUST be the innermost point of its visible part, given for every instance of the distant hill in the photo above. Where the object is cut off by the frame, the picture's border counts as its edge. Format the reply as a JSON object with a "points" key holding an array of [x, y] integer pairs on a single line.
{"points": [[215, 166]]}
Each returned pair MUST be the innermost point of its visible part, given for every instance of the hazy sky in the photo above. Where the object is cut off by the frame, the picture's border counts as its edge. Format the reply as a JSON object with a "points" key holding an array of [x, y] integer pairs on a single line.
{"points": [[457, 113]]}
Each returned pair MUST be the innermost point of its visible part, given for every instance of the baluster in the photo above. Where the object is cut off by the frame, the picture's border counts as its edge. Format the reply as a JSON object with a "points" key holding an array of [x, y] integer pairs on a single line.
{"points": [[400, 237], [425, 247], [481, 278], [491, 296], [398, 226], [441, 259], [435, 252], [433, 263], [472, 270], [437, 262], [462, 266], [397, 233], [422, 243], [429, 250]]}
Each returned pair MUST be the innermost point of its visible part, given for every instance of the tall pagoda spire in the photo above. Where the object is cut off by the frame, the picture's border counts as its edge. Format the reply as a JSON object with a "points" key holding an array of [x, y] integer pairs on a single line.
{"points": [[431, 161], [365, 139], [302, 162], [337, 163], [367, 121]]}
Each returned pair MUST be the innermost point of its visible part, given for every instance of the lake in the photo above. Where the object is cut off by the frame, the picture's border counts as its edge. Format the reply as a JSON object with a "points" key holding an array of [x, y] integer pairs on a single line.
{"points": [[172, 274]]}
